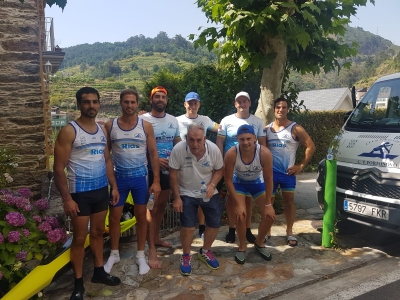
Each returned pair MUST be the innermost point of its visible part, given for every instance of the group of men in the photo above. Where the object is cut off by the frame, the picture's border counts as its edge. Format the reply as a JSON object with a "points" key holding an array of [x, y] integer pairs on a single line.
{"points": [[156, 153]]}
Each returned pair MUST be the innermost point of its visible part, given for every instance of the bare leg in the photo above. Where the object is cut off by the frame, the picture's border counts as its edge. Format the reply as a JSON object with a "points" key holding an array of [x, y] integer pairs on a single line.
{"points": [[264, 226], [249, 211], [289, 211], [201, 218], [209, 237], [158, 215], [230, 211], [241, 225], [186, 236], [151, 226], [80, 228], [269, 228], [96, 236]]}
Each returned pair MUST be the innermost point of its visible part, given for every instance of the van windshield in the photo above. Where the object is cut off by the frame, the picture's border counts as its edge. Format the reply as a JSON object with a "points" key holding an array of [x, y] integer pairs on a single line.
{"points": [[379, 109]]}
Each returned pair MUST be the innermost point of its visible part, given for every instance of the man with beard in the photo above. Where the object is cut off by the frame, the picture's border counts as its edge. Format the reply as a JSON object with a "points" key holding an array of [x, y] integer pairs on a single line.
{"points": [[130, 139], [192, 105], [283, 138], [227, 133], [166, 131], [81, 146]]}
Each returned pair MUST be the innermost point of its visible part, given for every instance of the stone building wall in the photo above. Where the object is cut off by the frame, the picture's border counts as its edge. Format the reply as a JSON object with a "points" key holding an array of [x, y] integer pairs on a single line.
{"points": [[21, 100]]}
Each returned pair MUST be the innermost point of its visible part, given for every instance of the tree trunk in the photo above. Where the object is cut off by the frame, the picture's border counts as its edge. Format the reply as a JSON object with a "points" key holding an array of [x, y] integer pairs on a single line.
{"points": [[271, 81]]}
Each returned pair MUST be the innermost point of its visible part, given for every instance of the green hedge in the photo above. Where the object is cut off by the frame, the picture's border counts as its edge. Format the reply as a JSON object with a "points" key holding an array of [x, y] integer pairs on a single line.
{"points": [[322, 126]]}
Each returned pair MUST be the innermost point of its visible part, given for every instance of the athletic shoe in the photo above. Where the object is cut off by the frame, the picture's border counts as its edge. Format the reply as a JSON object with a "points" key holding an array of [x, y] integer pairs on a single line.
{"points": [[240, 257], [77, 295], [209, 259], [230, 237], [185, 267], [263, 252]]}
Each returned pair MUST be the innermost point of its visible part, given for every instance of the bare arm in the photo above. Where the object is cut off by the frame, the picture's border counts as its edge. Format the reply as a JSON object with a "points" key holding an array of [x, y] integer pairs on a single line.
{"points": [[173, 182], [110, 168], [220, 143], [266, 160], [306, 141], [262, 140], [153, 156], [211, 186], [62, 152], [229, 161]]}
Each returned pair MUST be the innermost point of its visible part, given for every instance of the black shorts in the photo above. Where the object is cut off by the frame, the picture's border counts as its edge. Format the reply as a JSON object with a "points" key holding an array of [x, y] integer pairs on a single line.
{"points": [[92, 202], [164, 180]]}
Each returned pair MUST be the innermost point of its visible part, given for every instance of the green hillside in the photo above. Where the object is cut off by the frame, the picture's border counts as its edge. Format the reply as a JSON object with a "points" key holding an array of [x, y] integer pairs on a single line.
{"points": [[111, 67]]}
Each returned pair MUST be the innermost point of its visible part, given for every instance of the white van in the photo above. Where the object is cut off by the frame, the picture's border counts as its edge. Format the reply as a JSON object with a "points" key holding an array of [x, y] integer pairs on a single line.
{"points": [[368, 159]]}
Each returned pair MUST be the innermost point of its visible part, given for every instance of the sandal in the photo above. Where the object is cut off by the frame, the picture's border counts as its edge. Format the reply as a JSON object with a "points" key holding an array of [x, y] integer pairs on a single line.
{"points": [[291, 240]]}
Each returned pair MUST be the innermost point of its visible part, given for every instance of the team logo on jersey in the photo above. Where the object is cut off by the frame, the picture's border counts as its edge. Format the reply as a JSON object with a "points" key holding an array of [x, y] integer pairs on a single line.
{"points": [[170, 125], [206, 164], [257, 168], [163, 135], [201, 124], [138, 135], [103, 139], [279, 145], [83, 140], [286, 136]]}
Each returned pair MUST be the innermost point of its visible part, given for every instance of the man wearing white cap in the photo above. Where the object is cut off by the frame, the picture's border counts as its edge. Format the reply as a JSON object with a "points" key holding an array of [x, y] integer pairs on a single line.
{"points": [[227, 138], [192, 105]]}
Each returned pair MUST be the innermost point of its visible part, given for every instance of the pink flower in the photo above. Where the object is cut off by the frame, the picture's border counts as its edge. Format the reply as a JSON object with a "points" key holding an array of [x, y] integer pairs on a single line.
{"points": [[21, 255], [25, 192], [41, 204], [23, 203], [37, 219], [52, 221], [53, 236], [26, 232], [1, 238], [13, 236], [15, 218], [44, 227]]}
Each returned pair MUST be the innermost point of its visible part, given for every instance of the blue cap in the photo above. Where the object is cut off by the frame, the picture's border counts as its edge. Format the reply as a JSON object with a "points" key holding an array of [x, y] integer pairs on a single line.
{"points": [[192, 96], [245, 129]]}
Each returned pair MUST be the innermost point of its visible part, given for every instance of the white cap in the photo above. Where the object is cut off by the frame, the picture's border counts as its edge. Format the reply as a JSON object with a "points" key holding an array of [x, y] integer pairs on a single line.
{"points": [[242, 94]]}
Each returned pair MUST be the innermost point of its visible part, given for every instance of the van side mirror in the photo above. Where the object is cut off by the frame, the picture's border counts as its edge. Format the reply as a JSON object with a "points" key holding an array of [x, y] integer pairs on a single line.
{"points": [[346, 116]]}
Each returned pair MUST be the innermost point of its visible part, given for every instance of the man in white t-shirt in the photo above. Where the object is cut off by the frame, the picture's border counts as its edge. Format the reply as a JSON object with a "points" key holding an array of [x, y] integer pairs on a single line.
{"points": [[194, 163], [227, 138], [192, 105]]}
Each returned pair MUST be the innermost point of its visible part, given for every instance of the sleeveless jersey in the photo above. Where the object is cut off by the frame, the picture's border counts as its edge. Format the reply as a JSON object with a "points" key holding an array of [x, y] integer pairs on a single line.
{"points": [[166, 129], [283, 147], [204, 121], [86, 165], [129, 150], [229, 127], [248, 173]]}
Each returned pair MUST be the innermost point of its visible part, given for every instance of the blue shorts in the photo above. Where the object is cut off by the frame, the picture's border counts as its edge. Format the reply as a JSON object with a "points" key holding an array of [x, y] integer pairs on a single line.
{"points": [[212, 211], [138, 187], [286, 182], [254, 190]]}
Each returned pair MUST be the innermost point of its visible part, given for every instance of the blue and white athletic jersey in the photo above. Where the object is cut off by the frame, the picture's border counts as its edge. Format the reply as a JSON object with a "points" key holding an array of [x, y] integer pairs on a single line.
{"points": [[129, 150], [204, 121], [86, 166], [166, 129], [230, 125], [251, 173], [283, 147]]}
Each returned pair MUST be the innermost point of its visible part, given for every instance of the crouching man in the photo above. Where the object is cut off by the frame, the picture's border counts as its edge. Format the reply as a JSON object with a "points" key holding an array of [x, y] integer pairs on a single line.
{"points": [[194, 163]]}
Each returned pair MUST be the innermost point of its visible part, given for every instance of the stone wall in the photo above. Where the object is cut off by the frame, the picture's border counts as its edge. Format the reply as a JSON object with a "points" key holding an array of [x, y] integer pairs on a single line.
{"points": [[21, 100]]}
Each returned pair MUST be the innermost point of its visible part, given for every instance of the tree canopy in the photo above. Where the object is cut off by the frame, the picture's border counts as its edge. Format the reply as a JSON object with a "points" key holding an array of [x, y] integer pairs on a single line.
{"points": [[301, 35], [60, 3]]}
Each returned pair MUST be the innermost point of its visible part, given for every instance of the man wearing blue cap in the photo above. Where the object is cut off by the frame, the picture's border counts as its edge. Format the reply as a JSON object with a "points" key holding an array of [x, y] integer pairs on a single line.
{"points": [[192, 105], [248, 171]]}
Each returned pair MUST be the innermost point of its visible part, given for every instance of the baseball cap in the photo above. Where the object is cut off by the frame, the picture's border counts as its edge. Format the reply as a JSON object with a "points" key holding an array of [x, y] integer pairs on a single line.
{"points": [[158, 89], [245, 129], [192, 96], [242, 94]]}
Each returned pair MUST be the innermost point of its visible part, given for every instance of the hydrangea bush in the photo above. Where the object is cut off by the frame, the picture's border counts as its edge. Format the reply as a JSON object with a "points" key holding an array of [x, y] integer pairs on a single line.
{"points": [[26, 233], [8, 163]]}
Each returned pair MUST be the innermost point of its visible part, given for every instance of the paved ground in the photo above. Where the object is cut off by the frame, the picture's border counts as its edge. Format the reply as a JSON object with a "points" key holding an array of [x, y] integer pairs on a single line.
{"points": [[289, 270]]}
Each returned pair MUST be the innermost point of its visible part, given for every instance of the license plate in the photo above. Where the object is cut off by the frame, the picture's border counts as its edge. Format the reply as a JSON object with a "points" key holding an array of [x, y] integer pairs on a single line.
{"points": [[364, 209]]}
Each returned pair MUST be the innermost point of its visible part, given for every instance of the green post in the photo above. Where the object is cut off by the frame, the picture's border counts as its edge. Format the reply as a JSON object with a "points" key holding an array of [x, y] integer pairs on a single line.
{"points": [[329, 203]]}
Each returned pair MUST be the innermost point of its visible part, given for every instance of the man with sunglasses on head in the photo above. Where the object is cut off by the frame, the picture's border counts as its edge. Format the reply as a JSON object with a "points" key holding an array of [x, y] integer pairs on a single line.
{"points": [[192, 105], [166, 131]]}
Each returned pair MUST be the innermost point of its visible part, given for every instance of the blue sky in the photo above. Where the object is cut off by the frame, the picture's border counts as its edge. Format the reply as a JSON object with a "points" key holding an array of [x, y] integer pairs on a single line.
{"points": [[90, 21]]}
